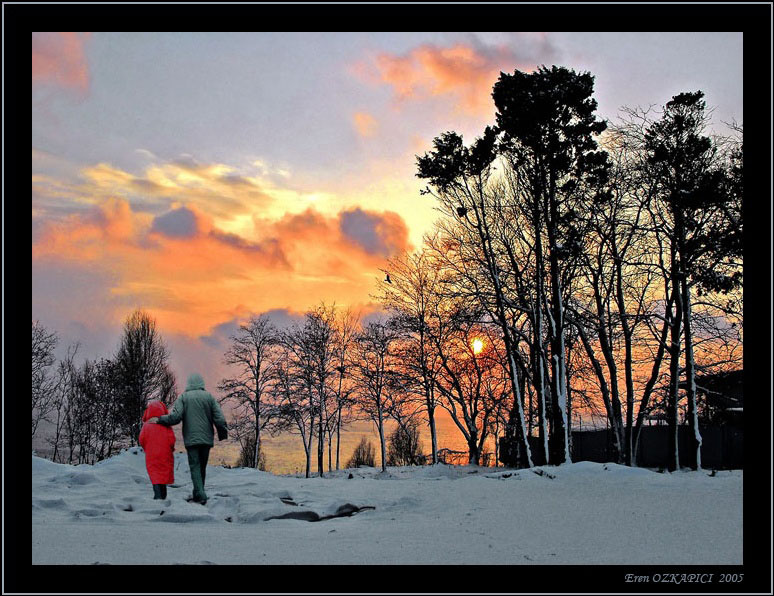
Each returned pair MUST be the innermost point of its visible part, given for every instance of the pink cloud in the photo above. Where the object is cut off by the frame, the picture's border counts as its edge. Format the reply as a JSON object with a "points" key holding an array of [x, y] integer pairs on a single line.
{"points": [[463, 72], [59, 59]]}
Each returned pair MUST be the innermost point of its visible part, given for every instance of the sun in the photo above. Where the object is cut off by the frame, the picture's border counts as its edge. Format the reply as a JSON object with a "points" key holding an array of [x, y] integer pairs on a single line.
{"points": [[478, 345]]}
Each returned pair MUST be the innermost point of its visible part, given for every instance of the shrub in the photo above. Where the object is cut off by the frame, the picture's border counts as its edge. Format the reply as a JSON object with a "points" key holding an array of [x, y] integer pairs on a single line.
{"points": [[364, 455], [404, 448], [247, 455]]}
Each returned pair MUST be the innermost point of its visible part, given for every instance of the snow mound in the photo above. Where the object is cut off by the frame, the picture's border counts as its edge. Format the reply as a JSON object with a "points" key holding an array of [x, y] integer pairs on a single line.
{"points": [[44, 467], [591, 469]]}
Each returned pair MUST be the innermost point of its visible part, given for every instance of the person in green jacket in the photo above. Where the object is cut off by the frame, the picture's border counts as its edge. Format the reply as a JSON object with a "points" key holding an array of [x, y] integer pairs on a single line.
{"points": [[198, 411]]}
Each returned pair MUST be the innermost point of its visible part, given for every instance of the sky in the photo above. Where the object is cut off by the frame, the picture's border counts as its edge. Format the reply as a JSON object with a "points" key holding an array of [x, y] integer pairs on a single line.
{"points": [[208, 177]]}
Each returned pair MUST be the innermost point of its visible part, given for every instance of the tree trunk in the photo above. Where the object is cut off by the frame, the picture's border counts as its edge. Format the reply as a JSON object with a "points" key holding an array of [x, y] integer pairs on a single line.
{"points": [[540, 369], [338, 438], [690, 377], [257, 451], [540, 384], [433, 433], [320, 446], [309, 447], [569, 412], [628, 358], [474, 455], [381, 438], [558, 447], [330, 451], [429, 395], [674, 385]]}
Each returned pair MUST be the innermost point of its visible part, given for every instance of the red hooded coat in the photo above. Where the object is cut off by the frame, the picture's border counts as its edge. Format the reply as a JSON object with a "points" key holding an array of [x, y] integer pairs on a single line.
{"points": [[158, 442]]}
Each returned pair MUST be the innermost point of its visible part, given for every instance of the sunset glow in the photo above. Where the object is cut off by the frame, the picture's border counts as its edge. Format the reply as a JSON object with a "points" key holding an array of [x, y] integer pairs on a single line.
{"points": [[207, 178]]}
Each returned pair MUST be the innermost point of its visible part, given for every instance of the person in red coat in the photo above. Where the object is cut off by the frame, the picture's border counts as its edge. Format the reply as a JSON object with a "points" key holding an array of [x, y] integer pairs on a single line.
{"points": [[158, 442]]}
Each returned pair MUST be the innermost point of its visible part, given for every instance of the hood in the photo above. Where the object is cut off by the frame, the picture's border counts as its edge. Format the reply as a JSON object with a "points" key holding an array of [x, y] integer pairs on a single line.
{"points": [[155, 408], [195, 381]]}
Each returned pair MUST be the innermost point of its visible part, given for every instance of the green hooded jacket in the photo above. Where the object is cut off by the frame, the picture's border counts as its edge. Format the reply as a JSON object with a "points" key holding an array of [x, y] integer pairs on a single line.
{"points": [[199, 412]]}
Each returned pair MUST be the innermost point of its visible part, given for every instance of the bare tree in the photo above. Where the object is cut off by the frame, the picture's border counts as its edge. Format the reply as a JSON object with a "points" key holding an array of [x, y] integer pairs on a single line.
{"points": [[408, 295], [460, 176], [311, 368], [253, 355], [292, 388], [43, 382], [372, 366], [615, 311], [107, 394], [321, 337], [470, 380], [65, 384], [346, 326]]}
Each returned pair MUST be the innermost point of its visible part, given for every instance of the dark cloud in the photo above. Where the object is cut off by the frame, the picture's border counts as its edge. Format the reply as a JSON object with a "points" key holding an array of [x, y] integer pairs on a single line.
{"points": [[178, 223], [380, 234], [284, 318], [221, 334], [521, 48], [269, 248]]}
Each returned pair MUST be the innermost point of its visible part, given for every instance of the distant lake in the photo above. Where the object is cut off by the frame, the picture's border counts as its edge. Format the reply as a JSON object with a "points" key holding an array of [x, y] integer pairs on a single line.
{"points": [[285, 453]]}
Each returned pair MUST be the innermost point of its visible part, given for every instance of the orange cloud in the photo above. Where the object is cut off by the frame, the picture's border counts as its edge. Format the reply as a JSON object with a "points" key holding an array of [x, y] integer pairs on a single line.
{"points": [[60, 59], [365, 124], [461, 72], [190, 274]]}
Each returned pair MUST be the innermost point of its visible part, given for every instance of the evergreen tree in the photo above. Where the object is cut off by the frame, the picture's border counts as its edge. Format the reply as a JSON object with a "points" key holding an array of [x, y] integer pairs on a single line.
{"points": [[700, 198], [547, 123]]}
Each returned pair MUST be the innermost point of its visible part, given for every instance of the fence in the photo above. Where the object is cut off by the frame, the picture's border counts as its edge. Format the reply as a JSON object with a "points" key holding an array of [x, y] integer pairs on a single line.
{"points": [[722, 446], [460, 458]]}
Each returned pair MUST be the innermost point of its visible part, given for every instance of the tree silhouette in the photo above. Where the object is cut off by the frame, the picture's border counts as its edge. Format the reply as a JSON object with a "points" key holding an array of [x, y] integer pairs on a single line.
{"points": [[252, 353], [43, 383], [141, 366], [700, 208]]}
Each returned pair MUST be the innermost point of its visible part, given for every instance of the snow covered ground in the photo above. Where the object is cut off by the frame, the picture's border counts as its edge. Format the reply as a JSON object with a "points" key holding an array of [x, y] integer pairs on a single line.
{"points": [[582, 513]]}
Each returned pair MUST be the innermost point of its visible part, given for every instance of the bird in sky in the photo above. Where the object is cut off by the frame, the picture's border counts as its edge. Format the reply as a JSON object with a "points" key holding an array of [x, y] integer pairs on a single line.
{"points": [[387, 279]]}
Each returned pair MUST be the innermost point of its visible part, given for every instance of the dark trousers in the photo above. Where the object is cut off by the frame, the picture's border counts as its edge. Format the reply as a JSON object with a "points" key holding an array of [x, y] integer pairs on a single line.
{"points": [[159, 491], [197, 462]]}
